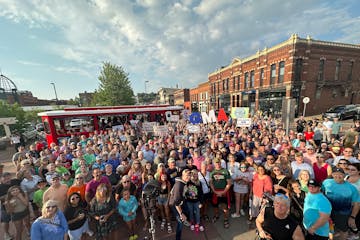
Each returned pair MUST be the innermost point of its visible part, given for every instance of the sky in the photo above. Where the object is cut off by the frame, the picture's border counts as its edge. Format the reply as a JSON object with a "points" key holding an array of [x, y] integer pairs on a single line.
{"points": [[159, 43]]}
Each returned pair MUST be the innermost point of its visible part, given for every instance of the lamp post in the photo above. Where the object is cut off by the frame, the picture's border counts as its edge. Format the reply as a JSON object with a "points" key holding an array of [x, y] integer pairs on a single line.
{"points": [[145, 85], [55, 92]]}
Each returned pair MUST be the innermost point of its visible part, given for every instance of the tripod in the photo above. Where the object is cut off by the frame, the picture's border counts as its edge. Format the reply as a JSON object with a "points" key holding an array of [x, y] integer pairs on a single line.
{"points": [[150, 206]]}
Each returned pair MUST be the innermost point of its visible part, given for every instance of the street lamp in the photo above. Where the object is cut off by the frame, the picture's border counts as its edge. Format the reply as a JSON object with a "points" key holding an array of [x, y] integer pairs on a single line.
{"points": [[55, 92], [145, 85]]}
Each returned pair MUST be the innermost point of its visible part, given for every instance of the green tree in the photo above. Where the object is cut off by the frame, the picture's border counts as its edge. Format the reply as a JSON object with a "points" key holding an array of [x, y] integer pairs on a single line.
{"points": [[114, 87], [14, 110], [146, 98]]}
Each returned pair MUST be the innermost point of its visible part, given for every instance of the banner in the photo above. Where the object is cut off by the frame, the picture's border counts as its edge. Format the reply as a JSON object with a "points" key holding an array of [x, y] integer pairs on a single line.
{"points": [[174, 118], [243, 122]]}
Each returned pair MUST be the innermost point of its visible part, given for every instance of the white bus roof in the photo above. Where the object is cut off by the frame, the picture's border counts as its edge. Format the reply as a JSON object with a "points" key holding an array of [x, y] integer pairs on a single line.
{"points": [[108, 111]]}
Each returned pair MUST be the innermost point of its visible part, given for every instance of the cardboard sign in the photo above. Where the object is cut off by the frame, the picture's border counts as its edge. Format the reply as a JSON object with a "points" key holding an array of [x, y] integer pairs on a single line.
{"points": [[243, 122], [174, 118], [148, 126], [193, 128], [134, 122], [118, 127], [161, 130]]}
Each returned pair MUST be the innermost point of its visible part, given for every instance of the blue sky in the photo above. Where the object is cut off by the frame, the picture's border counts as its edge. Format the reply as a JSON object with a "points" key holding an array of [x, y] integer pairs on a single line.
{"points": [[164, 42]]}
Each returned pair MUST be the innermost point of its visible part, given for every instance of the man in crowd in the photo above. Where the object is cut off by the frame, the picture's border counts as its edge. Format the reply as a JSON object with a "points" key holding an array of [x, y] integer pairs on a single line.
{"points": [[299, 165], [317, 210], [345, 201], [57, 192], [91, 186]]}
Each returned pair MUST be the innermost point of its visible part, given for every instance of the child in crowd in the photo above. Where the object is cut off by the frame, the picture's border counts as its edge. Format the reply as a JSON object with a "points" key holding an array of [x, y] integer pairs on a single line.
{"points": [[242, 179], [127, 209]]}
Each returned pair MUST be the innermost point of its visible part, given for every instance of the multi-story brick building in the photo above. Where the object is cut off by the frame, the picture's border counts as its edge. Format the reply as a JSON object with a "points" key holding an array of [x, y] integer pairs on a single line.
{"points": [[326, 72], [182, 98]]}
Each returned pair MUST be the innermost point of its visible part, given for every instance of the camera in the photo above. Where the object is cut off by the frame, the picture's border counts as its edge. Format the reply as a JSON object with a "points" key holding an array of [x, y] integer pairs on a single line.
{"points": [[149, 194]]}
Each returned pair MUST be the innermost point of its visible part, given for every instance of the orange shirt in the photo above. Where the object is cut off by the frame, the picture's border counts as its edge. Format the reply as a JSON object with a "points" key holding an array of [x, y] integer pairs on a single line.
{"points": [[78, 189]]}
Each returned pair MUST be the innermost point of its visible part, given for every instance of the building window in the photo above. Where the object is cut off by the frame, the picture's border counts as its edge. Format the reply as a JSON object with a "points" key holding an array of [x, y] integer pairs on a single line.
{"points": [[227, 84], [273, 74], [234, 83], [223, 85], [321, 70], [218, 87], [298, 69], [261, 82], [238, 100], [246, 80], [337, 70], [281, 72], [252, 78], [238, 82], [233, 101], [350, 70]]}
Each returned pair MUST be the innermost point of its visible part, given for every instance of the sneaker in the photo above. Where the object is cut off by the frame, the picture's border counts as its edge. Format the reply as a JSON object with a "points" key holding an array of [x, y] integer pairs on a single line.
{"points": [[197, 228], [201, 228], [192, 227], [353, 237], [90, 233], [162, 226], [169, 229], [131, 238], [242, 212], [135, 237], [235, 215]]}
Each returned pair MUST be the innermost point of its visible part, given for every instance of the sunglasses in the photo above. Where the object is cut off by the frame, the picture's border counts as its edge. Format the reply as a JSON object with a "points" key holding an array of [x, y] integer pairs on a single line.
{"points": [[126, 181], [73, 198], [79, 178], [48, 207], [344, 163]]}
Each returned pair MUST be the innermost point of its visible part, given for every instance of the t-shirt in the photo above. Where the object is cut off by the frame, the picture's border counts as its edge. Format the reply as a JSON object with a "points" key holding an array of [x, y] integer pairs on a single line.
{"points": [[5, 187], [313, 206], [71, 213], [341, 195], [93, 184], [38, 197], [284, 229], [219, 178]]}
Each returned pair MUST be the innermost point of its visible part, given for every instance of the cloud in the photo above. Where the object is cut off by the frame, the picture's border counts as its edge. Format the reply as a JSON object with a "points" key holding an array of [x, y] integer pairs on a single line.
{"points": [[30, 63], [170, 41]]}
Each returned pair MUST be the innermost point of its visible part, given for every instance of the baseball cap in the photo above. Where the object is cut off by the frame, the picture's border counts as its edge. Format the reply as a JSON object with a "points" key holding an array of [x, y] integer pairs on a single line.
{"points": [[55, 175], [309, 147], [340, 170], [98, 157], [42, 180], [313, 182]]}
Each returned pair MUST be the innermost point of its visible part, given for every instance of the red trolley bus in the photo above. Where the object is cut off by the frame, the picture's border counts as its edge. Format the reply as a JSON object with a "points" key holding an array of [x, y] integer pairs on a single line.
{"points": [[62, 123]]}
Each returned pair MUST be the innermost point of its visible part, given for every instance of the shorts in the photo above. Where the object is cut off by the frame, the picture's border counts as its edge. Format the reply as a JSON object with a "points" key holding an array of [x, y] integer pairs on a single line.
{"points": [[20, 215], [77, 233], [5, 217], [162, 200], [207, 196], [216, 201], [340, 221]]}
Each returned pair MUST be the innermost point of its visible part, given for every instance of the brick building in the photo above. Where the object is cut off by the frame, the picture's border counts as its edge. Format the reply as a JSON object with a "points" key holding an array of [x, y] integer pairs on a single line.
{"points": [[326, 72], [182, 98]]}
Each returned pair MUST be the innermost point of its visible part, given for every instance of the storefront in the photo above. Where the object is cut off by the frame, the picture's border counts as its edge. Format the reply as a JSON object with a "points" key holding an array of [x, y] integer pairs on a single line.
{"points": [[270, 101]]}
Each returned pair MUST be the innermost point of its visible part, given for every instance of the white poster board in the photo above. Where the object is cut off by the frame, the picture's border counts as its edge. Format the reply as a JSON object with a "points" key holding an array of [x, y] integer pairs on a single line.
{"points": [[193, 128], [118, 127], [243, 122], [161, 130], [148, 126]]}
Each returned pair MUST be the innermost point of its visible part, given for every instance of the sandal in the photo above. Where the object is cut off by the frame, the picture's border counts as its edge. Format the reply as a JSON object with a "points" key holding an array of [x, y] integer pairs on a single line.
{"points": [[162, 226], [226, 223], [215, 218], [169, 229]]}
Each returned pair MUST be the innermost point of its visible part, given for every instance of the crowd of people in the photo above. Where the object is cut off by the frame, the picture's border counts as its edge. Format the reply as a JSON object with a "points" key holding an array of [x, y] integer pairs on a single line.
{"points": [[291, 185]]}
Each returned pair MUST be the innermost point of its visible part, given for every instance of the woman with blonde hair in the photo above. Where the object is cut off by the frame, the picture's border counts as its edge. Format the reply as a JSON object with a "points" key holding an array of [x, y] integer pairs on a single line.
{"points": [[135, 175], [17, 206], [303, 178], [102, 209], [52, 224]]}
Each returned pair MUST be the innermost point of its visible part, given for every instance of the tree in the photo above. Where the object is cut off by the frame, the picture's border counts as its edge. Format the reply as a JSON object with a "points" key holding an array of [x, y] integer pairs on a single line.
{"points": [[146, 98], [14, 110], [114, 87]]}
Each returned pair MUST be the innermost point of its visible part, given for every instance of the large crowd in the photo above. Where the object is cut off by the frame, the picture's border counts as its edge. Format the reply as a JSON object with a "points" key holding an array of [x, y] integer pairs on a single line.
{"points": [[90, 185]]}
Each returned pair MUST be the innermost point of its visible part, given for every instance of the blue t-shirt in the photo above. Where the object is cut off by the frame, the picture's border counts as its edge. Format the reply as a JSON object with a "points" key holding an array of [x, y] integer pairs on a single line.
{"points": [[49, 229], [313, 205], [341, 195]]}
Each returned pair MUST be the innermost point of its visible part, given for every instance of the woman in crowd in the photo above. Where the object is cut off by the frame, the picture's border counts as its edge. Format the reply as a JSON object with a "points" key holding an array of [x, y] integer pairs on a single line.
{"points": [[52, 224], [354, 179], [135, 174], [242, 179], [163, 203], [280, 180], [303, 178], [102, 209], [322, 170], [78, 186], [204, 178], [194, 199], [76, 216], [297, 197], [127, 209], [148, 171], [17, 205], [261, 183], [112, 176]]}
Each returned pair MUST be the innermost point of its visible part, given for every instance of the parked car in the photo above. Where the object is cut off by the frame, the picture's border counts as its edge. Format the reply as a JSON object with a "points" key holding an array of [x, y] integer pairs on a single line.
{"points": [[341, 111], [29, 132], [78, 122]]}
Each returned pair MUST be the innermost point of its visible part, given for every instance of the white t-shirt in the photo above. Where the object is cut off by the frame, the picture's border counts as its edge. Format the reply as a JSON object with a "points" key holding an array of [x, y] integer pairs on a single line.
{"points": [[204, 181], [242, 186]]}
